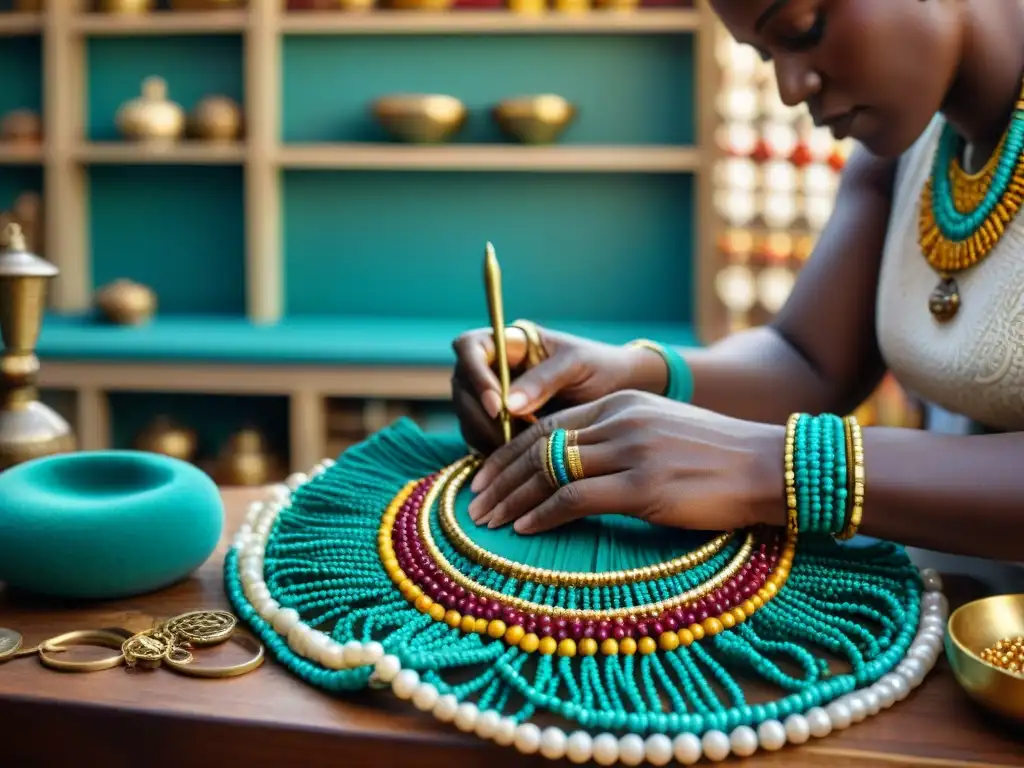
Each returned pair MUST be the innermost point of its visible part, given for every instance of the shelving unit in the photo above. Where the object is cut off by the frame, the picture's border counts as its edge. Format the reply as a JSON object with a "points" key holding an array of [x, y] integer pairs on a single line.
{"points": [[265, 311]]}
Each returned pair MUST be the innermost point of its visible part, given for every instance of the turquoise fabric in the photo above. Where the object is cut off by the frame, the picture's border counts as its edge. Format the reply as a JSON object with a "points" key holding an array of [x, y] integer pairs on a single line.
{"points": [[105, 524]]}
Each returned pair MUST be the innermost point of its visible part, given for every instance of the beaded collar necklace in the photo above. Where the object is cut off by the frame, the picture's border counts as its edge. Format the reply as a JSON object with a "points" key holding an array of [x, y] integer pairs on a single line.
{"points": [[368, 574]]}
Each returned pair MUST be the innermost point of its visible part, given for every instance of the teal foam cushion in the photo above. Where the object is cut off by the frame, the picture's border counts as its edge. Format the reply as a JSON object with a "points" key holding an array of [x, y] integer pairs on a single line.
{"points": [[105, 524]]}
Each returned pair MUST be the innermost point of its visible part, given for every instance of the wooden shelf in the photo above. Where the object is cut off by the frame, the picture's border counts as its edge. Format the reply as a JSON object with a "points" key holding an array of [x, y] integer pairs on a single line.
{"points": [[20, 23], [482, 157], [184, 153], [161, 23], [489, 22], [15, 155]]}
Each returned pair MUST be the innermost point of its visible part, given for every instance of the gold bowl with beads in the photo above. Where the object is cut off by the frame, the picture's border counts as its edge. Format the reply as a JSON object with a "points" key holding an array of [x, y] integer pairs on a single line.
{"points": [[985, 649]]}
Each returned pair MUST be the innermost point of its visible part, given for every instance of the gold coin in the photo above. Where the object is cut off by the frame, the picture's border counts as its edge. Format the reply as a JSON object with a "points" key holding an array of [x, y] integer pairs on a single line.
{"points": [[10, 642]]}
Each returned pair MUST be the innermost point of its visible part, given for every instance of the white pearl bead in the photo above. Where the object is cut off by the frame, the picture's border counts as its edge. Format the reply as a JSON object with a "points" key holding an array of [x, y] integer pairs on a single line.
{"points": [[371, 652], [743, 741], [297, 479], [631, 750], [425, 697], [913, 670], [716, 745], [819, 722], [353, 653], [886, 695], [553, 743], [872, 703], [258, 592], [405, 683], [936, 601], [925, 652], [798, 731], [465, 717], [445, 708], [659, 749], [280, 493], [839, 714], [387, 668], [899, 685], [506, 732], [267, 608], [328, 462], [527, 739], [772, 735], [930, 622], [298, 639], [687, 748], [606, 749], [579, 748], [334, 658], [285, 619], [858, 707], [931, 580], [487, 724]]}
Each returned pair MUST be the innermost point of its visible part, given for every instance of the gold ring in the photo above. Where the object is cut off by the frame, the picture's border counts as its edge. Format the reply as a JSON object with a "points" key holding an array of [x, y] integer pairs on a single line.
{"points": [[193, 670], [104, 638], [535, 351], [549, 464], [572, 455]]}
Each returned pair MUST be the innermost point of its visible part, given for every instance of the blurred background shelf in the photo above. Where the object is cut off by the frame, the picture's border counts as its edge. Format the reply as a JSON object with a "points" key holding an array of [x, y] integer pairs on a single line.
{"points": [[15, 155], [185, 153], [20, 23], [160, 23]]}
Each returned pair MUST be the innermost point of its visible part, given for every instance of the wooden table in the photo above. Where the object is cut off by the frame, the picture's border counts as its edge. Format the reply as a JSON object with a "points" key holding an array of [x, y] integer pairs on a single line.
{"points": [[268, 718]]}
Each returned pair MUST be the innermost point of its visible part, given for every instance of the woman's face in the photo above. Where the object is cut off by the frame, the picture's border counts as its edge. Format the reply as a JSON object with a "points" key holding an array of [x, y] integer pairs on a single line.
{"points": [[874, 70]]}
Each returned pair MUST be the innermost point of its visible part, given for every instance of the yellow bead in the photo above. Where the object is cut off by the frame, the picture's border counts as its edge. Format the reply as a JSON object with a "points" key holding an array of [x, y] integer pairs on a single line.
{"points": [[771, 589], [588, 646], [405, 587], [468, 623], [685, 637], [627, 646], [423, 603], [436, 612], [496, 628], [481, 626], [712, 626], [757, 602], [610, 647], [728, 620], [647, 646], [529, 643], [668, 641], [548, 645], [697, 631], [414, 594], [748, 607], [514, 634], [391, 564], [453, 619], [567, 647], [739, 615]]}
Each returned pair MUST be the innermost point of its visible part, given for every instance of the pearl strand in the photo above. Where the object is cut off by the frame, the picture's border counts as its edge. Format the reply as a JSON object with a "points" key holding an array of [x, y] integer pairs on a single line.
{"points": [[605, 749]]}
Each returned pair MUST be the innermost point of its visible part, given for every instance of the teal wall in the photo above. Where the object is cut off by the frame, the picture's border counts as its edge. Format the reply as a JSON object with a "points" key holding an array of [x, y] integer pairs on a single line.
{"points": [[20, 88], [593, 247], [629, 90], [15, 179]]}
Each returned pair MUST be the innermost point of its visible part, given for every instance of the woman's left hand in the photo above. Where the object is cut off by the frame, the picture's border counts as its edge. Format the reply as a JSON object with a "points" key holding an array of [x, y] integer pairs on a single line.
{"points": [[645, 456]]}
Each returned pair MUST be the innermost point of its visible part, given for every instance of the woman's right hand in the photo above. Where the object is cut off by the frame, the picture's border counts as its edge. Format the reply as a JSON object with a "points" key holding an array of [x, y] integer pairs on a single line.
{"points": [[574, 371]]}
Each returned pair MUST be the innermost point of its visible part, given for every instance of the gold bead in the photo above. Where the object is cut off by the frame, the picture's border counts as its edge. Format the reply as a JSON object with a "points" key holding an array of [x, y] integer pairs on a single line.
{"points": [[481, 626], [697, 631], [712, 626], [423, 603], [529, 643], [468, 624], [496, 628], [610, 647], [685, 637], [647, 646], [587, 646], [453, 619], [437, 612], [567, 647], [627, 646], [668, 641], [514, 634]]}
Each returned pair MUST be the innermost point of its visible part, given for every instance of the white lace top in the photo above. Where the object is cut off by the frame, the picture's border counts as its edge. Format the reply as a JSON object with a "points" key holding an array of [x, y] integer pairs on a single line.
{"points": [[972, 365]]}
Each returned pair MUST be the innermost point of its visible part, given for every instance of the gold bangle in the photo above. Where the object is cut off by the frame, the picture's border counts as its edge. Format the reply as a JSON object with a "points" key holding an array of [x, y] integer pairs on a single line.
{"points": [[535, 350], [572, 455], [856, 458], [789, 474], [104, 638], [192, 669]]}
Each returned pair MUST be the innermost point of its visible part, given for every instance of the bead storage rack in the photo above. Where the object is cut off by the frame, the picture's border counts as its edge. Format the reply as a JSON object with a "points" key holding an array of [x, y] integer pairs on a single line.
{"points": [[686, 695]]}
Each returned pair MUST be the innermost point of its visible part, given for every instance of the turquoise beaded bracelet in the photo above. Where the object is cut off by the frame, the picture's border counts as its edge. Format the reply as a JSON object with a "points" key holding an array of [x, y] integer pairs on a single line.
{"points": [[820, 468], [680, 377]]}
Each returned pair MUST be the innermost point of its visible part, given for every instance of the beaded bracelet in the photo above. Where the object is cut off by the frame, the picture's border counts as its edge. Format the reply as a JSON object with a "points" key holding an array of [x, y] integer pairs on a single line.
{"points": [[823, 473], [680, 377]]}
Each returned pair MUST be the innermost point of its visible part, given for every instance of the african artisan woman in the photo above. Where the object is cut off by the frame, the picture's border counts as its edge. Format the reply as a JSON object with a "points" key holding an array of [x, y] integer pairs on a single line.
{"points": [[920, 273]]}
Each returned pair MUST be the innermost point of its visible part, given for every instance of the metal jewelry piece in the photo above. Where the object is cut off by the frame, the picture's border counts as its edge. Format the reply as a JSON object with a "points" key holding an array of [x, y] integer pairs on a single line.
{"points": [[197, 670], [572, 455], [104, 638], [201, 628], [536, 353]]}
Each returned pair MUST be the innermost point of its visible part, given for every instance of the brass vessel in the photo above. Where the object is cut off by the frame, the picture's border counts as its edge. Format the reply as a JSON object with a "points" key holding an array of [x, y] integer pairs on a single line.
{"points": [[537, 119], [125, 302], [420, 118], [22, 127], [207, 5], [152, 117], [972, 628], [165, 436], [216, 118], [420, 5], [245, 460], [125, 6], [29, 429]]}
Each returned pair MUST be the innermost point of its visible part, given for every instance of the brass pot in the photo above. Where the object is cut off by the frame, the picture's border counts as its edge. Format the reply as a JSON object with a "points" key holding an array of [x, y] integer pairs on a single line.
{"points": [[166, 437], [125, 6], [216, 118], [21, 126], [151, 117], [534, 119], [420, 118], [125, 302], [245, 460]]}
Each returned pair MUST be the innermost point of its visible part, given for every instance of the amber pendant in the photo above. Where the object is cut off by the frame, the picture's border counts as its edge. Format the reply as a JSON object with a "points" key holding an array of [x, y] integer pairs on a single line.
{"points": [[944, 301]]}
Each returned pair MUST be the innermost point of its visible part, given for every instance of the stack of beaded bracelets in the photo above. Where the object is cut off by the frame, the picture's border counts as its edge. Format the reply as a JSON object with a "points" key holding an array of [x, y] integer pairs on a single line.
{"points": [[824, 475], [680, 377], [562, 462]]}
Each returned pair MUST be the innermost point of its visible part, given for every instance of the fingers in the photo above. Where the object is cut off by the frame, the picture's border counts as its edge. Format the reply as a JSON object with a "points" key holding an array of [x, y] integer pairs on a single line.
{"points": [[573, 418], [475, 352], [480, 431], [534, 388], [603, 495]]}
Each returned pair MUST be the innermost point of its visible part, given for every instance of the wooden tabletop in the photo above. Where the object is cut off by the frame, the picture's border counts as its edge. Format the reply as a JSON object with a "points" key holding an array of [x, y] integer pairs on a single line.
{"points": [[268, 718]]}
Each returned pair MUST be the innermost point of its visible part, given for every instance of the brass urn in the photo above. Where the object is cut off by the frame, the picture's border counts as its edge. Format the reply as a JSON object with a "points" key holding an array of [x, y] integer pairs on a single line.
{"points": [[216, 118], [167, 437], [152, 117], [29, 429], [126, 6], [245, 460], [125, 302]]}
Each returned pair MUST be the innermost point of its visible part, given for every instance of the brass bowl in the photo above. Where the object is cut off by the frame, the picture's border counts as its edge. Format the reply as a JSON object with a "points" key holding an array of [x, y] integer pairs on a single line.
{"points": [[420, 5], [534, 119], [420, 118], [971, 629]]}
